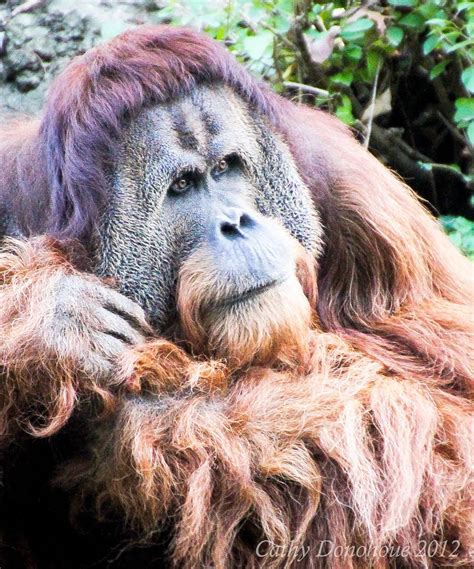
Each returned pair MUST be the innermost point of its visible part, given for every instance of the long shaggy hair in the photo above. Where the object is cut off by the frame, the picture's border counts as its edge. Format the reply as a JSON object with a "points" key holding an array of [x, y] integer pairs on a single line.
{"points": [[261, 468], [367, 445], [342, 464], [39, 388], [388, 279]]}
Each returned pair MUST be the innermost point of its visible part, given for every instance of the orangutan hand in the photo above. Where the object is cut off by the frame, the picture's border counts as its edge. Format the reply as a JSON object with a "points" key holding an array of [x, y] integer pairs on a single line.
{"points": [[91, 324], [51, 314]]}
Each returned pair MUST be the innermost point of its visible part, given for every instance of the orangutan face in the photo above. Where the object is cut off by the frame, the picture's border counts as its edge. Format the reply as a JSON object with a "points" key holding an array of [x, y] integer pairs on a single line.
{"points": [[204, 194]]}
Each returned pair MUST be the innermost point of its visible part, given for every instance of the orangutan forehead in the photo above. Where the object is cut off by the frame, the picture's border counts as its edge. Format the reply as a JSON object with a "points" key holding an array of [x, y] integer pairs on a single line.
{"points": [[196, 129]]}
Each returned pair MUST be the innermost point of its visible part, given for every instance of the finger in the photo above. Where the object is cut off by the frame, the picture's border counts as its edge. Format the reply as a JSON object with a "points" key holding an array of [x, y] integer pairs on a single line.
{"points": [[116, 325], [128, 309], [96, 366], [107, 345]]}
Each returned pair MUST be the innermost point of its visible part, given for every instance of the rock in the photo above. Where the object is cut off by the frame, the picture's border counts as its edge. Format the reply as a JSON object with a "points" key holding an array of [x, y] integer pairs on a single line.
{"points": [[45, 48], [27, 80], [36, 45]]}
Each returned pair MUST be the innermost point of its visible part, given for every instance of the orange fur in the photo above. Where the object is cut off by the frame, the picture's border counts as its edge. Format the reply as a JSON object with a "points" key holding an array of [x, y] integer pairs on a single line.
{"points": [[39, 389], [343, 448], [389, 280], [357, 431], [347, 452], [252, 332]]}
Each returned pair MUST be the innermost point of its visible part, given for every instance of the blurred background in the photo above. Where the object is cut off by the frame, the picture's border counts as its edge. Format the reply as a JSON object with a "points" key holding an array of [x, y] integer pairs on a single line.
{"points": [[400, 73]]}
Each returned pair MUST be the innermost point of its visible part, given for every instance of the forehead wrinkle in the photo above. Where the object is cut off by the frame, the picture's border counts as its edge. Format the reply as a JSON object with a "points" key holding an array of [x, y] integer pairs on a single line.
{"points": [[183, 164], [212, 124], [188, 124], [233, 130], [212, 121], [154, 129], [153, 138], [223, 146], [236, 139], [218, 110], [161, 128], [168, 144], [221, 104]]}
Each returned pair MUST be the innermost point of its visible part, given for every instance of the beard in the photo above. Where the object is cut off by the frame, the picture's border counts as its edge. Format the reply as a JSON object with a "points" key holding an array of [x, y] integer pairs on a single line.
{"points": [[269, 327]]}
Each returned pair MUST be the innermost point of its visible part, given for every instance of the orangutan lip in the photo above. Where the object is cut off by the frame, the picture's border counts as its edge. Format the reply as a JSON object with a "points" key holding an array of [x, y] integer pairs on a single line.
{"points": [[253, 292]]}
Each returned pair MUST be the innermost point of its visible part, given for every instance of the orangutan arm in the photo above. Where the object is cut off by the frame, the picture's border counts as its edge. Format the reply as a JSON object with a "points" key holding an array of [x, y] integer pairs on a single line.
{"points": [[60, 333]]}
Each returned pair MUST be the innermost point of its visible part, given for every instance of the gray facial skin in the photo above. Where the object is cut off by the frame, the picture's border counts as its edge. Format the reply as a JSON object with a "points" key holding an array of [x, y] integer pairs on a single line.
{"points": [[154, 221]]}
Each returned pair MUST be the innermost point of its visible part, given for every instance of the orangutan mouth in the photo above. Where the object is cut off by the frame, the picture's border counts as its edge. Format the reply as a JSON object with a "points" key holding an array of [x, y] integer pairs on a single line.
{"points": [[253, 292]]}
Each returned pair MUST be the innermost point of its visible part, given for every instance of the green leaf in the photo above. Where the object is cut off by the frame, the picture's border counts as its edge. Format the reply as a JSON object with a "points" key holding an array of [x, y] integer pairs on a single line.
{"points": [[467, 77], [394, 35], [452, 36], [459, 45], [285, 6], [430, 44], [357, 29], [430, 10], [220, 33], [413, 20], [282, 24], [461, 232], [360, 25], [437, 22], [344, 111], [448, 222], [463, 5], [402, 2], [439, 68], [374, 61], [428, 166], [381, 46], [464, 109], [257, 45], [470, 133], [353, 51], [343, 78]]}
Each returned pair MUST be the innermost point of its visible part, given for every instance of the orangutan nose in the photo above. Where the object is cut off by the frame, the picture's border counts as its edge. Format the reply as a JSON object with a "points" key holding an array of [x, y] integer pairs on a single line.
{"points": [[234, 222]]}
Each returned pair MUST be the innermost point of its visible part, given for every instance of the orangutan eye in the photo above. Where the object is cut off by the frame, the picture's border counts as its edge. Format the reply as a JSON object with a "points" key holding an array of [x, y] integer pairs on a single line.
{"points": [[182, 184], [221, 167]]}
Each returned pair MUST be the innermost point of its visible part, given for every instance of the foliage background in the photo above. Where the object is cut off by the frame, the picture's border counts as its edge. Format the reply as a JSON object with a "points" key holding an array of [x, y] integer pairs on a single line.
{"points": [[399, 72]]}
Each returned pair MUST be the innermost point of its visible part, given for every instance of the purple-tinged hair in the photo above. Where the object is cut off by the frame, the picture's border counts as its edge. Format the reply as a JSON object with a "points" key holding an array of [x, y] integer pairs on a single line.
{"points": [[88, 103]]}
